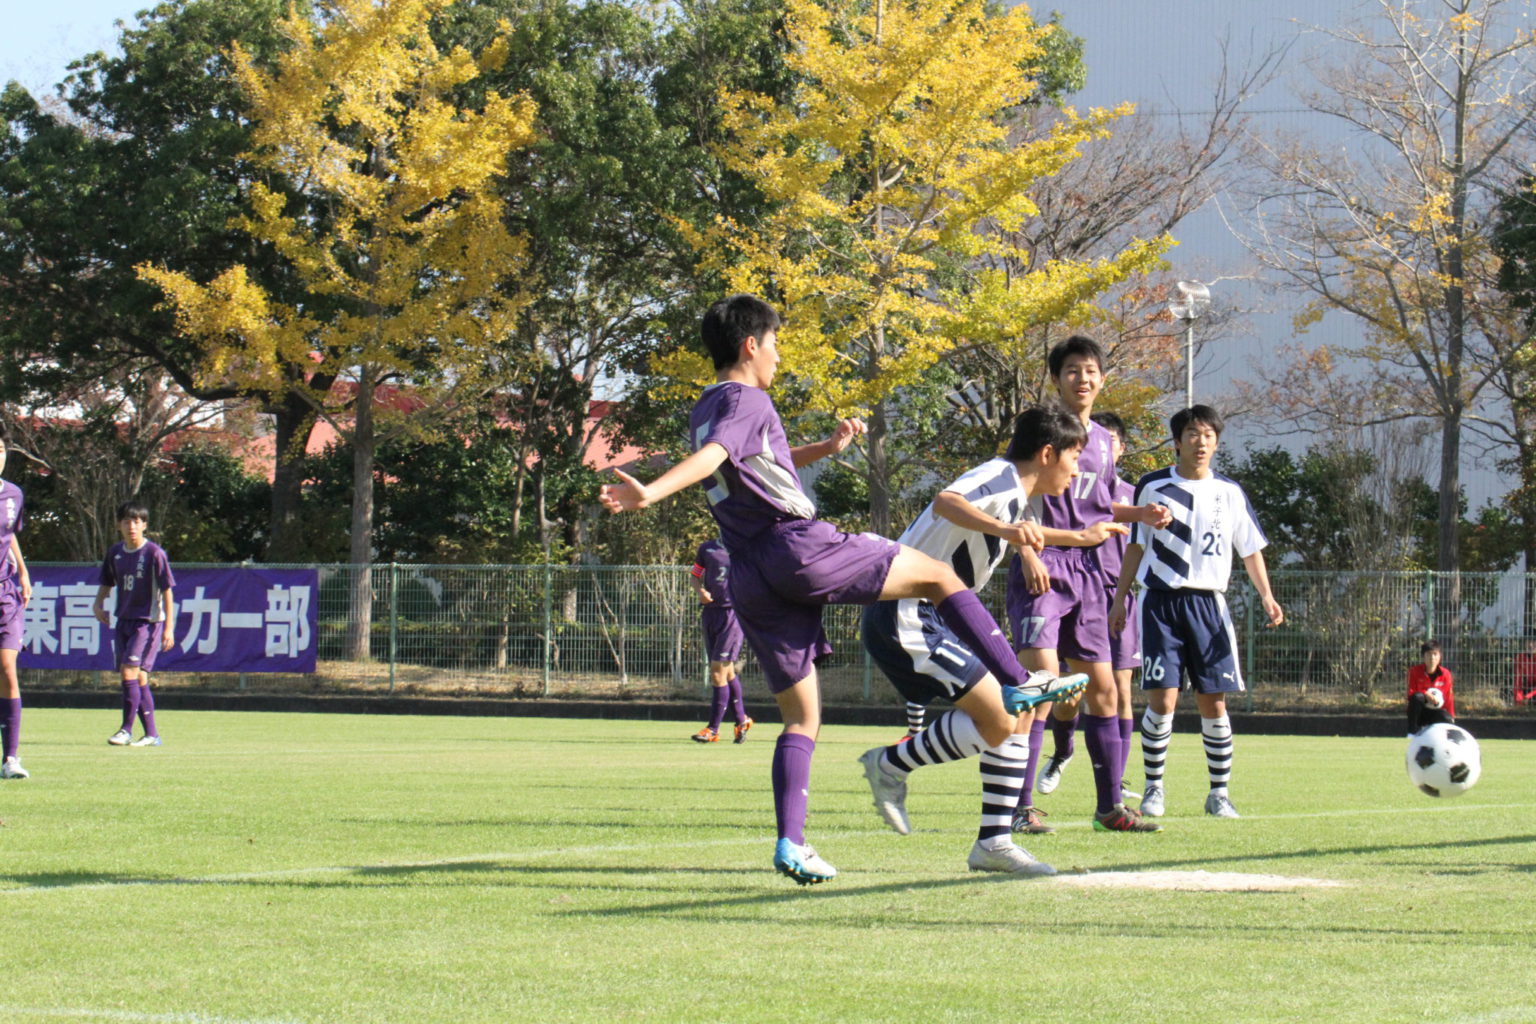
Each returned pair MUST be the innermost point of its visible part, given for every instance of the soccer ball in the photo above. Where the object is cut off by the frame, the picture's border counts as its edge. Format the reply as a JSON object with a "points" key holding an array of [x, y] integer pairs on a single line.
{"points": [[1443, 760]]}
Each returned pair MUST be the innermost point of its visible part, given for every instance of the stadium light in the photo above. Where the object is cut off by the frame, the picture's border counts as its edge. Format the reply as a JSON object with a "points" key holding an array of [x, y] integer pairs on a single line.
{"points": [[1191, 301]]}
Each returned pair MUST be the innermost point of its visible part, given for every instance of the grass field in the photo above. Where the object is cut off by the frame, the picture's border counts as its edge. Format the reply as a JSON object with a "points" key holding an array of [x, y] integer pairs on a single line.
{"points": [[305, 868]]}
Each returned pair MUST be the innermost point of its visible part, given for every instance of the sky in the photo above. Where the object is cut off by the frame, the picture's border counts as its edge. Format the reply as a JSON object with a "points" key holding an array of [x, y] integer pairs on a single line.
{"points": [[41, 37]]}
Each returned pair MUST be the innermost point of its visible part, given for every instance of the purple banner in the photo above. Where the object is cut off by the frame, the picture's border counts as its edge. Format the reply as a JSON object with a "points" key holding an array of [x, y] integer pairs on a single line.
{"points": [[227, 620]]}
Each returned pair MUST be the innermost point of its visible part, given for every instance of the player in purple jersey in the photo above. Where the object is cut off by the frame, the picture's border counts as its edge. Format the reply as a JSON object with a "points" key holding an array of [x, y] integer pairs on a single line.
{"points": [[722, 640], [146, 617], [786, 565], [15, 592], [1058, 602], [1124, 646]]}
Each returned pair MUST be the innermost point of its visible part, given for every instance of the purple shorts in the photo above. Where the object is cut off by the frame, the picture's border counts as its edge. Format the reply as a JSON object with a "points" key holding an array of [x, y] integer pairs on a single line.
{"points": [[1072, 617], [780, 583], [13, 617], [722, 633], [1125, 646], [138, 643]]}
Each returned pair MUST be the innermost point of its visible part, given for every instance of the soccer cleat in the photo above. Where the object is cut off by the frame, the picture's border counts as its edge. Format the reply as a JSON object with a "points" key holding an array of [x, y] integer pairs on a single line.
{"points": [[1040, 688], [1051, 777], [1123, 819], [706, 735], [1006, 857], [146, 741], [121, 738], [1031, 821], [1219, 805], [12, 769], [741, 730], [890, 792], [1152, 801], [801, 863], [1127, 793]]}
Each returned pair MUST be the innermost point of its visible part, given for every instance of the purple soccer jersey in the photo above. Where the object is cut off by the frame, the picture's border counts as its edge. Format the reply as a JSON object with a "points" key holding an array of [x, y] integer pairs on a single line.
{"points": [[757, 485], [141, 577], [1091, 497], [1112, 551], [712, 568], [12, 612]]}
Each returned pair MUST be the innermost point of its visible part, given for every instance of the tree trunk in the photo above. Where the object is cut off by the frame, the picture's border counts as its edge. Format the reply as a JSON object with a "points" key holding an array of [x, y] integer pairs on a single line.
{"points": [[294, 422], [879, 471], [360, 619]]}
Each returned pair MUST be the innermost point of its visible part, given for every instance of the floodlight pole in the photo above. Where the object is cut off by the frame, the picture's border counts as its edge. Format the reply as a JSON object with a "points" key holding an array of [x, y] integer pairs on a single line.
{"points": [[1192, 299], [1189, 363]]}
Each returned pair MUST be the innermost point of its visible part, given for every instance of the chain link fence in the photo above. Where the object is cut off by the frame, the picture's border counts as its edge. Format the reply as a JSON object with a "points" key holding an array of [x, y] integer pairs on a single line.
{"points": [[632, 632]]}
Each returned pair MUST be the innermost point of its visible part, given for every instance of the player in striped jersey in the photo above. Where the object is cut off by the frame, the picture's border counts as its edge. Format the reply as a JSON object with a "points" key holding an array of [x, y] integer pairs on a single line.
{"points": [[970, 525], [1186, 628]]}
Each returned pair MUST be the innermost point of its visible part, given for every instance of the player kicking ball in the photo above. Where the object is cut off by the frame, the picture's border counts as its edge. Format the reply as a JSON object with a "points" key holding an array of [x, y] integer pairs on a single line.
{"points": [[971, 525], [1186, 628]]}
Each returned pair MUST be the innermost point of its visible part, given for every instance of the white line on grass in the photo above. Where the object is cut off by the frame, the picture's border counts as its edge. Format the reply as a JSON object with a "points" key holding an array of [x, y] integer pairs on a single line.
{"points": [[1508, 1014], [131, 1017]]}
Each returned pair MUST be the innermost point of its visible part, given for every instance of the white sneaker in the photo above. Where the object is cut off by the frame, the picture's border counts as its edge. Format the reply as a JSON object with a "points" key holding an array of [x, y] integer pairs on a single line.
{"points": [[1152, 801], [146, 741], [12, 769], [1127, 793], [1051, 777], [121, 738], [801, 863], [1041, 687], [890, 791], [1220, 805], [1007, 857]]}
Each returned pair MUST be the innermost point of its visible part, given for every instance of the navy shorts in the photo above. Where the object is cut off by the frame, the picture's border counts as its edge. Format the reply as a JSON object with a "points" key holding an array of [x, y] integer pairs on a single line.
{"points": [[917, 652], [722, 633], [782, 580], [1188, 632]]}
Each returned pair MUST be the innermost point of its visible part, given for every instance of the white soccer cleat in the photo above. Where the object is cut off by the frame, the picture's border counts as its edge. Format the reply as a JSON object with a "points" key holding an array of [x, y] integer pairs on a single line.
{"points": [[146, 741], [1008, 858], [1127, 793], [121, 738], [12, 769], [890, 791], [1152, 801], [801, 863], [1051, 777], [1219, 805], [1041, 687]]}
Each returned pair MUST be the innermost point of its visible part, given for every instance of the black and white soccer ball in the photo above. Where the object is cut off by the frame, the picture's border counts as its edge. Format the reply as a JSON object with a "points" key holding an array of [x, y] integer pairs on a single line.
{"points": [[1443, 760]]}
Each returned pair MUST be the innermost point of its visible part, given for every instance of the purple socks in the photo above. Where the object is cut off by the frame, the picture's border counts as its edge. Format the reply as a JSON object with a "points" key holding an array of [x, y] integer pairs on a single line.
{"points": [[1064, 735], [12, 725], [1127, 735], [1036, 738], [147, 711], [131, 690], [738, 709], [791, 784], [718, 696], [964, 613], [1101, 735]]}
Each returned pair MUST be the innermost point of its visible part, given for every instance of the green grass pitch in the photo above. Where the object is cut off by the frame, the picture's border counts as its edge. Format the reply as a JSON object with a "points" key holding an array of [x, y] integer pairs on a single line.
{"points": [[264, 868]]}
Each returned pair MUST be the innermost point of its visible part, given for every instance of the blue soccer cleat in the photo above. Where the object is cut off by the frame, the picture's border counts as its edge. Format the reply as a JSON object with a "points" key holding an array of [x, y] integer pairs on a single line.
{"points": [[1041, 688], [801, 863]]}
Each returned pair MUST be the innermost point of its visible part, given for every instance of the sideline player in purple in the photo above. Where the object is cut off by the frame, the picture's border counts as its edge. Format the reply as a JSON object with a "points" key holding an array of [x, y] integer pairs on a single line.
{"points": [[1058, 602], [722, 640], [1124, 646], [15, 592], [970, 525], [786, 564], [146, 617], [1186, 629]]}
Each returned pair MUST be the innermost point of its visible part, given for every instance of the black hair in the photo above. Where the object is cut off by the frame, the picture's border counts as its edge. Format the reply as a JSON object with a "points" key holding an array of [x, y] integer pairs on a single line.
{"points": [[132, 510], [1042, 425], [5, 433], [1077, 345], [1429, 645], [1196, 414], [732, 321], [1112, 422]]}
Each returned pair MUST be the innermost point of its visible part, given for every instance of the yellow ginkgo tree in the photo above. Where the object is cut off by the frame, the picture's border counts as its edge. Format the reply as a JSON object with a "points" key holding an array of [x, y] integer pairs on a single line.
{"points": [[386, 203], [895, 175]]}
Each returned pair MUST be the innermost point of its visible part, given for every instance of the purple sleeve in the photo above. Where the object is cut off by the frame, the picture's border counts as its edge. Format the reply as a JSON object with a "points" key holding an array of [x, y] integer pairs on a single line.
{"points": [[163, 575], [108, 577]]}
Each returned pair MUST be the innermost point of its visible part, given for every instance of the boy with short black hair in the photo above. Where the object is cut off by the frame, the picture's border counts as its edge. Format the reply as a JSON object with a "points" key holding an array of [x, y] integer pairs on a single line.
{"points": [[786, 564], [711, 577], [970, 525], [1186, 628], [15, 592], [1431, 698], [146, 617]]}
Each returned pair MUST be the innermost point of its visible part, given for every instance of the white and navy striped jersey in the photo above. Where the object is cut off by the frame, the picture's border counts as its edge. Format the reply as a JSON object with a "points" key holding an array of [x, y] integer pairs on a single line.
{"points": [[1212, 519], [994, 488]]}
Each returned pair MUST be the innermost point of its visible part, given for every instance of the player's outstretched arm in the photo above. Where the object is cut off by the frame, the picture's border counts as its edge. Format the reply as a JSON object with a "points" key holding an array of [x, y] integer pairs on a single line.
{"points": [[1154, 515], [1259, 574], [629, 494], [952, 506], [842, 437], [1087, 537], [1129, 566]]}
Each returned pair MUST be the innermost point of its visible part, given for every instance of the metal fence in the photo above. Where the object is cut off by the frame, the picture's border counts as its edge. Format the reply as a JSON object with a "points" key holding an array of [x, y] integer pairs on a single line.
{"points": [[632, 632]]}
